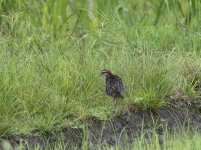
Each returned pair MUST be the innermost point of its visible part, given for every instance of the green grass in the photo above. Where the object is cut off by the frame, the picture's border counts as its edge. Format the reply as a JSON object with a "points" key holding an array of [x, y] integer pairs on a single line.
{"points": [[182, 140], [51, 54], [178, 141]]}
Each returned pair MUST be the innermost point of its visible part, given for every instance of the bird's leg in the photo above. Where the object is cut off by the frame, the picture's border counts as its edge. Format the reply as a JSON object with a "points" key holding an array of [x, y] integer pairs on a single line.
{"points": [[121, 96], [115, 96], [115, 100]]}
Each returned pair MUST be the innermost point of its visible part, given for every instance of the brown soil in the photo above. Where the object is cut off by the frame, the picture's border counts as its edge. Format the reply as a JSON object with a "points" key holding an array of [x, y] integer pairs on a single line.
{"points": [[179, 113]]}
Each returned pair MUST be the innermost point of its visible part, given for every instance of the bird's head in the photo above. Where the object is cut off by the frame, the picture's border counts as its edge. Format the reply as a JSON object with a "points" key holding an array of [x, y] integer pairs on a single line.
{"points": [[106, 73]]}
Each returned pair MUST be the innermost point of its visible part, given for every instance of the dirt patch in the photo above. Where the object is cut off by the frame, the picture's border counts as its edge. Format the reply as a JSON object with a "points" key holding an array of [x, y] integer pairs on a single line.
{"points": [[130, 124], [71, 136]]}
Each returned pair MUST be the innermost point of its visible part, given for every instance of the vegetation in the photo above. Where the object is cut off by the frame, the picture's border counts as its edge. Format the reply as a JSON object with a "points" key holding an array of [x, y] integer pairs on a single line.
{"points": [[180, 141], [52, 52]]}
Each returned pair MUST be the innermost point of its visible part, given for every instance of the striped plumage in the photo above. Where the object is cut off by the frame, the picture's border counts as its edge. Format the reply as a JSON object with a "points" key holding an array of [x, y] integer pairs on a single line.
{"points": [[113, 84]]}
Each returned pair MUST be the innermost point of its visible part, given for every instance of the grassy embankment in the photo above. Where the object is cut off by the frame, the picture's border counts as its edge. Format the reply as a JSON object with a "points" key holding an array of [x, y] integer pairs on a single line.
{"points": [[51, 54]]}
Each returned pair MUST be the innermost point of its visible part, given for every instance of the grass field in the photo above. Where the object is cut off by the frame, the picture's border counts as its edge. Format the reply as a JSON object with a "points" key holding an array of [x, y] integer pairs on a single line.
{"points": [[52, 52]]}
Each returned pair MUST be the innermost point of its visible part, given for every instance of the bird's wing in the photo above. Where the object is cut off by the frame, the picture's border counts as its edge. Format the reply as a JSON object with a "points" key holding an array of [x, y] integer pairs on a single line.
{"points": [[119, 87]]}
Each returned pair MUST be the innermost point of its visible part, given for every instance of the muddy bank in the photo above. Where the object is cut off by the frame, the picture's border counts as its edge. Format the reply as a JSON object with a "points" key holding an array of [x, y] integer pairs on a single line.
{"points": [[129, 123]]}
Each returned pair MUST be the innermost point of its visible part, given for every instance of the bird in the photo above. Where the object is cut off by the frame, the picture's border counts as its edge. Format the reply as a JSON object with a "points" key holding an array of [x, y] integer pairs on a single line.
{"points": [[114, 86]]}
